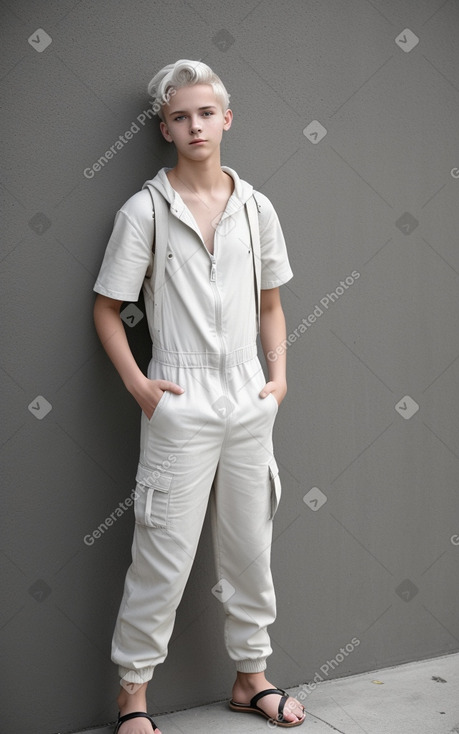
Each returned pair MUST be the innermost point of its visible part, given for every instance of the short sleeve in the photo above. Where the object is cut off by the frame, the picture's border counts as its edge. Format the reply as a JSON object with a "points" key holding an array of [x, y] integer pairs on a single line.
{"points": [[129, 250], [275, 266]]}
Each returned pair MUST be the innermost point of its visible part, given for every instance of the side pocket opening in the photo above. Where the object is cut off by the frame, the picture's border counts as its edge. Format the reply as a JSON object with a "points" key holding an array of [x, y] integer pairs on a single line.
{"points": [[151, 502], [276, 489]]}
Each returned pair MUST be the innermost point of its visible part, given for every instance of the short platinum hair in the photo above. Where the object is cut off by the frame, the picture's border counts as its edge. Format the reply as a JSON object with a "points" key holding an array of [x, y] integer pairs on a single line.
{"points": [[184, 73]]}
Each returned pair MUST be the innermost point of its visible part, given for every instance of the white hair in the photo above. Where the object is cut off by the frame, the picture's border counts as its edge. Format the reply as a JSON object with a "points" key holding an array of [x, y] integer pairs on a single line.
{"points": [[184, 73]]}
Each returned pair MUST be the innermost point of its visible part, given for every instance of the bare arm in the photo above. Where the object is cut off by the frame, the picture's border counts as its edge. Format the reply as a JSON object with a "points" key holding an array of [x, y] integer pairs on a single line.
{"points": [[110, 329], [272, 334]]}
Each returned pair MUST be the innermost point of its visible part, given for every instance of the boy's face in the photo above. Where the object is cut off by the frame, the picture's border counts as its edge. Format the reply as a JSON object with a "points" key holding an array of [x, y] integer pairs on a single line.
{"points": [[194, 121]]}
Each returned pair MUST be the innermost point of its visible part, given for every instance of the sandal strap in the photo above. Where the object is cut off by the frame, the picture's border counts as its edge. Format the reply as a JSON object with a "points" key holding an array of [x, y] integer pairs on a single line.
{"points": [[268, 692], [134, 715], [282, 702]]}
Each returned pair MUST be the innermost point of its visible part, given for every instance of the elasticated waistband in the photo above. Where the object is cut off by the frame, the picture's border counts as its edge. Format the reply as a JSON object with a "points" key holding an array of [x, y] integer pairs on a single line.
{"points": [[205, 360]]}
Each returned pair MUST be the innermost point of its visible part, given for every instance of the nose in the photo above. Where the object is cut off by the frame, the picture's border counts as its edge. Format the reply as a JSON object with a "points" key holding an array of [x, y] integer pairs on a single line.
{"points": [[195, 125]]}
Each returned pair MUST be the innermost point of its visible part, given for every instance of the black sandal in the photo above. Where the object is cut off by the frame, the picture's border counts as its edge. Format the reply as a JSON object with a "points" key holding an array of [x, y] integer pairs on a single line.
{"points": [[253, 708], [135, 715]]}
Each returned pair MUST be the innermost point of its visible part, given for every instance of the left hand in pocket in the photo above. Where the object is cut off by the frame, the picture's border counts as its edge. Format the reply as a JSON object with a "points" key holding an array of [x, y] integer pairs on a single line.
{"points": [[279, 390]]}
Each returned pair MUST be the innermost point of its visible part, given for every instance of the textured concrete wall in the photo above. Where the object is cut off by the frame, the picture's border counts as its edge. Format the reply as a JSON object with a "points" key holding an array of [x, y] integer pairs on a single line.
{"points": [[346, 116]]}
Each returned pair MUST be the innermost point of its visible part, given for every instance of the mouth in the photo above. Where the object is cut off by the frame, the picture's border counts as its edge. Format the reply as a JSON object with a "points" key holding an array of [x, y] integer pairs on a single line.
{"points": [[194, 142]]}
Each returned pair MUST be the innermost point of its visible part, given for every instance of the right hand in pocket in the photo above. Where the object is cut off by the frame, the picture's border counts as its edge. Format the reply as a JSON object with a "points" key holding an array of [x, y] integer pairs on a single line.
{"points": [[148, 393]]}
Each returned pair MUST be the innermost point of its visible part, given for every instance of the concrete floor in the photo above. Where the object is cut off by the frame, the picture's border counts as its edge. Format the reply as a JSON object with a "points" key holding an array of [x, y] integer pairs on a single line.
{"points": [[417, 698]]}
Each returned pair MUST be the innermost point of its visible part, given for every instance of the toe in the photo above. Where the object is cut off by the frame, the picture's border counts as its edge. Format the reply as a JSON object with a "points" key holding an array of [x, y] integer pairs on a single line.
{"points": [[293, 710]]}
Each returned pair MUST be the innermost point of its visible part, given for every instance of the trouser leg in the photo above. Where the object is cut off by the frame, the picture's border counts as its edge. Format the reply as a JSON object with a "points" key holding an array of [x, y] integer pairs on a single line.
{"points": [[172, 492], [243, 503], [153, 588]]}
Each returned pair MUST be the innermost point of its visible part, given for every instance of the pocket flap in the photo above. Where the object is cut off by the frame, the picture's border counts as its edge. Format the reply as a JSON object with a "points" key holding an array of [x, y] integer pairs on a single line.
{"points": [[155, 478]]}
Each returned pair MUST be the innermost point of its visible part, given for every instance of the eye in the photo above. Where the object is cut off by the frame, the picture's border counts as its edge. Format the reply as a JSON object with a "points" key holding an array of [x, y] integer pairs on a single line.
{"points": [[180, 117], [207, 113]]}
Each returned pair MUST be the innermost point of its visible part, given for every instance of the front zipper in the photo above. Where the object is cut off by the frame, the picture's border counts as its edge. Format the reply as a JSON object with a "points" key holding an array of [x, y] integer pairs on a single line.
{"points": [[218, 315], [213, 269], [217, 301]]}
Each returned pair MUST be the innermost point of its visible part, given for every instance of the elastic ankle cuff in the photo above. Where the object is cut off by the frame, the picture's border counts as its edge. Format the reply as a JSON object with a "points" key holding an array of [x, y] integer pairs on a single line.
{"points": [[251, 666], [136, 676]]}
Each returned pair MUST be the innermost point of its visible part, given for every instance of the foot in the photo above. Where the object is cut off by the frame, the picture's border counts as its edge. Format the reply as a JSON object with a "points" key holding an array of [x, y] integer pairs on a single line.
{"points": [[130, 702], [247, 685]]}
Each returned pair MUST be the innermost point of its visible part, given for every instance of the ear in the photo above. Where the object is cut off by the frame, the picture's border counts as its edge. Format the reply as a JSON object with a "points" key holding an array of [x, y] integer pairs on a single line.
{"points": [[165, 131], [228, 117]]}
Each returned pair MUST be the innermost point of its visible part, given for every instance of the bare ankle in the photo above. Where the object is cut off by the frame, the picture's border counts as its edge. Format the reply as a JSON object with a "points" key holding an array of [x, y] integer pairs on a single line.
{"points": [[254, 682], [250, 677], [132, 698]]}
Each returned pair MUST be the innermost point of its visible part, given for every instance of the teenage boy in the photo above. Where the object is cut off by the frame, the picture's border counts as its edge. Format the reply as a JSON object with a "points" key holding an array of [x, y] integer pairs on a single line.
{"points": [[207, 412]]}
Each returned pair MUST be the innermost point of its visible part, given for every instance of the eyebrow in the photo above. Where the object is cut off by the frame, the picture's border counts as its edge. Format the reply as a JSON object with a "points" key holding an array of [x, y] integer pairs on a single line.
{"points": [[182, 112]]}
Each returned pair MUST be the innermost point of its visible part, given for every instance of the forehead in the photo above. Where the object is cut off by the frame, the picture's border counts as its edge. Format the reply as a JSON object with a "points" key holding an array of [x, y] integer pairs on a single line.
{"points": [[192, 97]]}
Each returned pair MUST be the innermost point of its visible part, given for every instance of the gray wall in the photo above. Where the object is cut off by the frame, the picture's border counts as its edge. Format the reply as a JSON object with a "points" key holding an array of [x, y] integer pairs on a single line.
{"points": [[366, 539]]}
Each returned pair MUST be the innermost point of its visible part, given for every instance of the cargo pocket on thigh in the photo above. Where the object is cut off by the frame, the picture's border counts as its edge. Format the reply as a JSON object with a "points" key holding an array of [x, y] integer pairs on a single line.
{"points": [[151, 503], [275, 484]]}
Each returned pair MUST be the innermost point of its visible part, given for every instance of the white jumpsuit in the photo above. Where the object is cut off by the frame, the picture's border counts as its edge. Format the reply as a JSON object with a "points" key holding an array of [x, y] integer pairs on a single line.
{"points": [[214, 440]]}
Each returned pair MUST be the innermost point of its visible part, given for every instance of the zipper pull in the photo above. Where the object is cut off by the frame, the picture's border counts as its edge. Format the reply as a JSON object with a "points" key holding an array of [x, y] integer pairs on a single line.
{"points": [[213, 270]]}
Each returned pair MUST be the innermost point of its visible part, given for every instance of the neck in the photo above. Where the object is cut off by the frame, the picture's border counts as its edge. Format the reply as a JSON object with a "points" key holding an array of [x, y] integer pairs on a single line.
{"points": [[199, 175]]}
